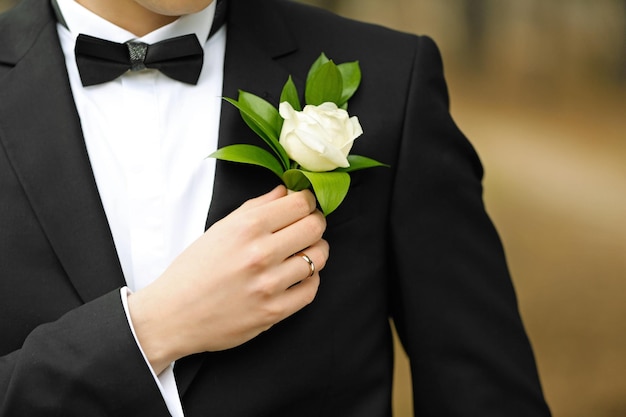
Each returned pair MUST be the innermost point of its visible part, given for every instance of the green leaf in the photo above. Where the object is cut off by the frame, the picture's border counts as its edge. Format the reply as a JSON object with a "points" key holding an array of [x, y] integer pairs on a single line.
{"points": [[330, 188], [324, 85], [266, 114], [263, 119], [249, 154], [290, 95], [321, 60], [260, 115], [254, 121], [295, 180], [351, 78], [358, 162]]}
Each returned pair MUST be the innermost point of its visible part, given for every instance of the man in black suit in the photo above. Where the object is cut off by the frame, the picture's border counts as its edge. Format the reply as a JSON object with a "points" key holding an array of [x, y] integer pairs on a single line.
{"points": [[102, 315]]}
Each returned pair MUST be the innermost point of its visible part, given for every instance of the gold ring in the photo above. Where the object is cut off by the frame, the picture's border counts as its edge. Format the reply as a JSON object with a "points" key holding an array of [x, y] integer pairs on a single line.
{"points": [[309, 261]]}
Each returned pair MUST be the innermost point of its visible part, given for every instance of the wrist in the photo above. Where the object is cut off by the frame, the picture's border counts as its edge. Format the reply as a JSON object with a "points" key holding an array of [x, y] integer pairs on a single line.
{"points": [[151, 325]]}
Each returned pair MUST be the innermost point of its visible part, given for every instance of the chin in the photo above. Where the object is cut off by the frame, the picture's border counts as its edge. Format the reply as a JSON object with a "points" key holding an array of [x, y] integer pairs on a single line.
{"points": [[174, 7]]}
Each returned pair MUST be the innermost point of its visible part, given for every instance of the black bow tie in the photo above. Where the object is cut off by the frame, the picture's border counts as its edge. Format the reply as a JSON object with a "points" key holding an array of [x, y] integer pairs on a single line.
{"points": [[100, 60]]}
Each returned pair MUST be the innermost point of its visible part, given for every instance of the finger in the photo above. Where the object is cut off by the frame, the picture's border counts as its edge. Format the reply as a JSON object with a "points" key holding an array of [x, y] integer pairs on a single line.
{"points": [[296, 236], [309, 262], [282, 212], [301, 295], [276, 193], [292, 300], [297, 268]]}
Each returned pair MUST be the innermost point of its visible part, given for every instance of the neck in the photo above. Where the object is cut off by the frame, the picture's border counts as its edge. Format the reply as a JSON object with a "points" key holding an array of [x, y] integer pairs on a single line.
{"points": [[128, 15]]}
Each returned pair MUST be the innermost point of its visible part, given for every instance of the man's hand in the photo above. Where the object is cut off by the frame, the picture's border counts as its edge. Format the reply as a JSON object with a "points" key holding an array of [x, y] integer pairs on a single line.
{"points": [[234, 282]]}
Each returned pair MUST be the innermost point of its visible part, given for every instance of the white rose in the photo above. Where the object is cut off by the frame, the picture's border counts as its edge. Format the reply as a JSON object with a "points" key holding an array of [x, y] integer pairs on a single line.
{"points": [[319, 137]]}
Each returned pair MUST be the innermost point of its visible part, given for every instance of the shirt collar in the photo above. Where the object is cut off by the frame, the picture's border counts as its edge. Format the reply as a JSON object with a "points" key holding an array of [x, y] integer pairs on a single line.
{"points": [[79, 19]]}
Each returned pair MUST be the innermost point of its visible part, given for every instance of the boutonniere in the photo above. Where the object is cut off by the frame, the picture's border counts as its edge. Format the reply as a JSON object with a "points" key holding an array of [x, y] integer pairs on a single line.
{"points": [[310, 146]]}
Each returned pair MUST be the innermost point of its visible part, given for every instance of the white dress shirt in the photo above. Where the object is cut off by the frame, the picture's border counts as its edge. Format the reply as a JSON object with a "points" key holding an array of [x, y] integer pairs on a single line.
{"points": [[148, 137]]}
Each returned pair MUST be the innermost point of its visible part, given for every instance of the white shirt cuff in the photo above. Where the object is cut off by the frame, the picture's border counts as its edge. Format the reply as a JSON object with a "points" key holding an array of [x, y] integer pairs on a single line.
{"points": [[165, 380]]}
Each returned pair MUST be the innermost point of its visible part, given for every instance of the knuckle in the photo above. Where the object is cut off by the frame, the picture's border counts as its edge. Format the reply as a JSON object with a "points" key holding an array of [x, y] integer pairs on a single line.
{"points": [[325, 247], [265, 287], [251, 226], [309, 296], [258, 257], [315, 227], [321, 263], [301, 203], [272, 313], [266, 327]]}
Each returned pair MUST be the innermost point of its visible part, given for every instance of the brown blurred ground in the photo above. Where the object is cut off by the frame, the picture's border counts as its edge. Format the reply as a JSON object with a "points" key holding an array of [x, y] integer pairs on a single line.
{"points": [[539, 86]]}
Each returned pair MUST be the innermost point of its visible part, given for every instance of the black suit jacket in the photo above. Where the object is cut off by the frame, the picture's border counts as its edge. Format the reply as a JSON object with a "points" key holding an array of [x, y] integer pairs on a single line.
{"points": [[411, 242]]}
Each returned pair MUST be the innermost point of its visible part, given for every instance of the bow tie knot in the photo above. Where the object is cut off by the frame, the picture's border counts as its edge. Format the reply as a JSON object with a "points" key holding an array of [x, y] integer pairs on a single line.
{"points": [[99, 60], [137, 52]]}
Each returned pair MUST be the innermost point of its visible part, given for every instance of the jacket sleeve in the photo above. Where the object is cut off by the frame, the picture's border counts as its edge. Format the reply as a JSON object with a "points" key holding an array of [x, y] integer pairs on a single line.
{"points": [[453, 302], [84, 364]]}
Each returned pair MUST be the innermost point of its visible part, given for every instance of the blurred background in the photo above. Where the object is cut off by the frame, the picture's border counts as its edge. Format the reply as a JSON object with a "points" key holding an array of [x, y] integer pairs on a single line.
{"points": [[539, 87]]}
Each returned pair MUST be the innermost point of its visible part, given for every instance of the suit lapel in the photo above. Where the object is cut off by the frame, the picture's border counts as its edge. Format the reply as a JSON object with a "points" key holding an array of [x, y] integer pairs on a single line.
{"points": [[40, 132], [256, 38]]}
